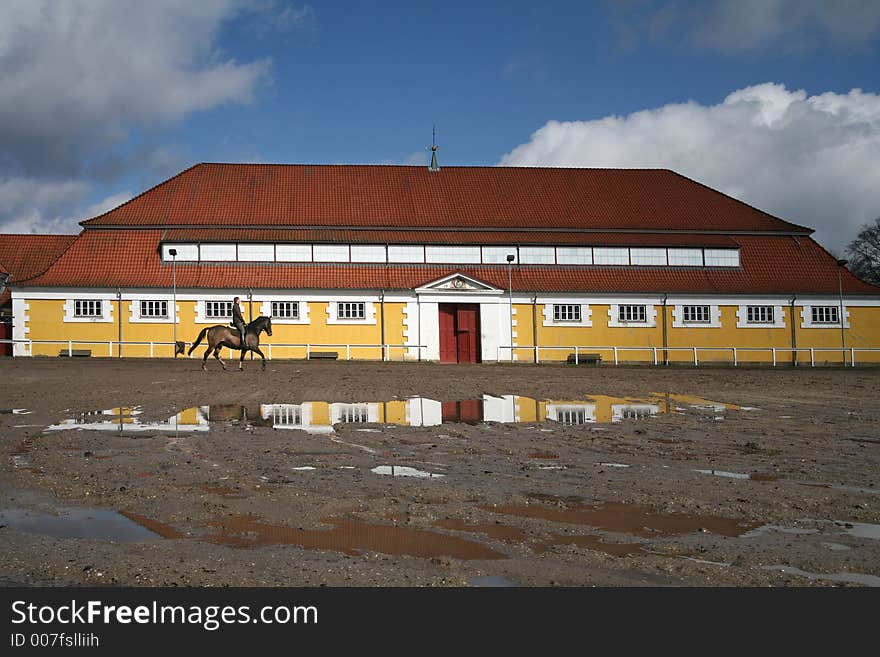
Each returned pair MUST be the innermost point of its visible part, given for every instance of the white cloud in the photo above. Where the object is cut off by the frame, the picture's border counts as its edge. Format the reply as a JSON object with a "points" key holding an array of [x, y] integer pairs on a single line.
{"points": [[33, 206], [809, 159]]}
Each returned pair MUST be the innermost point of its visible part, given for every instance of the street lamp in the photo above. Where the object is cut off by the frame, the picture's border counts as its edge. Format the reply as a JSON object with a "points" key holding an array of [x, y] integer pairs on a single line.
{"points": [[840, 265], [173, 254], [510, 258]]}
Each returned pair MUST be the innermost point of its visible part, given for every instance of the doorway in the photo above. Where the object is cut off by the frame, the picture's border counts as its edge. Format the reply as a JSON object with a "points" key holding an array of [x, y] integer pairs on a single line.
{"points": [[459, 332]]}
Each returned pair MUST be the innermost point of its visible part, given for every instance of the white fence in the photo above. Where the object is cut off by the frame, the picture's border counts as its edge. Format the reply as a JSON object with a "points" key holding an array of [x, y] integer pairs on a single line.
{"points": [[579, 353]]}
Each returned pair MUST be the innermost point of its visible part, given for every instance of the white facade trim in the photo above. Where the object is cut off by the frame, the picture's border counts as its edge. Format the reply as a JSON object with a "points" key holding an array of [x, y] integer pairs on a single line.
{"points": [[106, 310], [410, 329], [20, 327], [134, 309], [678, 316], [266, 311], [807, 317], [586, 315], [201, 310], [369, 313], [458, 283], [742, 317], [650, 315]]}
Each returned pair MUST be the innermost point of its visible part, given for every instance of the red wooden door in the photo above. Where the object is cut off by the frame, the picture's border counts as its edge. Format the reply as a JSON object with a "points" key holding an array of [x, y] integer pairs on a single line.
{"points": [[448, 342], [467, 332]]}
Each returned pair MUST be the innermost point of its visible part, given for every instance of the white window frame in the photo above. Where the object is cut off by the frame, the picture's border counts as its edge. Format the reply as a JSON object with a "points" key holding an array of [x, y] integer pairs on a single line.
{"points": [[684, 257], [185, 253], [274, 307], [678, 313], [648, 257], [333, 308], [742, 316], [293, 252], [266, 310], [368, 253], [573, 309], [537, 255], [721, 257], [105, 316], [342, 412], [256, 252], [135, 316], [557, 411], [574, 255], [202, 316], [497, 255], [331, 253], [406, 253], [650, 315], [807, 316], [586, 313], [217, 252], [456, 255]]}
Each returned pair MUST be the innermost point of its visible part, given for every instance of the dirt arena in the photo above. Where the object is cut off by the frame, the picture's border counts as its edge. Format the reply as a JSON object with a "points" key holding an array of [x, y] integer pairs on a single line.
{"points": [[788, 496]]}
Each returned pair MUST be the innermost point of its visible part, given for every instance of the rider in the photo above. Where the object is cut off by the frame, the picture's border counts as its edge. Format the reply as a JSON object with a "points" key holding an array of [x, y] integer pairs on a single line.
{"points": [[237, 319]]}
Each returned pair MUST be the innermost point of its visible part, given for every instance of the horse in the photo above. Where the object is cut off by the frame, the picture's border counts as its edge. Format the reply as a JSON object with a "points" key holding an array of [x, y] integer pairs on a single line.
{"points": [[226, 336]]}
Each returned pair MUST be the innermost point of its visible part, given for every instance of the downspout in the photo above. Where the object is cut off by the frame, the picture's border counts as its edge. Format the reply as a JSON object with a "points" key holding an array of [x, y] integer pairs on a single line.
{"points": [[119, 320], [665, 332], [250, 311], [794, 358], [535, 324], [382, 319]]}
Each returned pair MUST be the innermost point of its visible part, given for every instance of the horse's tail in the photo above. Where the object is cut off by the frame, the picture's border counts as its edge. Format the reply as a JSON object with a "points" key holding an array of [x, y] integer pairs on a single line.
{"points": [[198, 340]]}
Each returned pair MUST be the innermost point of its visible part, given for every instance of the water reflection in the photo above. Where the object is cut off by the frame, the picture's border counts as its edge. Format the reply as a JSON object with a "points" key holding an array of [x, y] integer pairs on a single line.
{"points": [[321, 416]]}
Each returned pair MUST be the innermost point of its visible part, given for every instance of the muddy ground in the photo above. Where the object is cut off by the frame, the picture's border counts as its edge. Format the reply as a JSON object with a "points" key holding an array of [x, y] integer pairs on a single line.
{"points": [[528, 504]]}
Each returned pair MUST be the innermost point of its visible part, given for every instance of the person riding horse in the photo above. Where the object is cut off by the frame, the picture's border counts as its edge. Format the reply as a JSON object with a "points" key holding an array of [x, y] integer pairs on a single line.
{"points": [[237, 319]]}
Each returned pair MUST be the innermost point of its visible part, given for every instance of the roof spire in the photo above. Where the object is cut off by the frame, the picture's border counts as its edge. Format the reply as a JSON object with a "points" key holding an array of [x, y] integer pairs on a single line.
{"points": [[434, 166]]}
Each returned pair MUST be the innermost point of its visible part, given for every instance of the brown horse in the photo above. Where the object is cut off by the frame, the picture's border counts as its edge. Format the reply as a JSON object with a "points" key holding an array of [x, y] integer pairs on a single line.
{"points": [[225, 336]]}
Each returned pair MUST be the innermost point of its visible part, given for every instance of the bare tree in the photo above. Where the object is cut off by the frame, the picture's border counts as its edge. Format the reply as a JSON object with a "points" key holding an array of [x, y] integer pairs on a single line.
{"points": [[864, 253]]}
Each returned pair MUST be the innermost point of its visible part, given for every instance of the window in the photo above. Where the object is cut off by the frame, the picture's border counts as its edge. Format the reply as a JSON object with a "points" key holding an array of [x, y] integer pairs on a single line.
{"points": [[453, 254], [573, 416], [498, 254], [368, 253], [825, 315], [760, 315], [256, 252], [286, 415], [154, 309], [631, 313], [87, 308], [354, 413], [285, 309], [653, 257], [574, 255], [608, 256], [351, 310], [185, 252], [722, 258], [406, 254], [537, 255], [685, 257], [218, 309], [293, 253], [697, 314], [331, 252], [218, 252], [566, 312]]}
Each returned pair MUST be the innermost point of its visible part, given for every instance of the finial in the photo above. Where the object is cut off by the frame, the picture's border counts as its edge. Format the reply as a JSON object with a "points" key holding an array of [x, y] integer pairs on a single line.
{"points": [[434, 166]]}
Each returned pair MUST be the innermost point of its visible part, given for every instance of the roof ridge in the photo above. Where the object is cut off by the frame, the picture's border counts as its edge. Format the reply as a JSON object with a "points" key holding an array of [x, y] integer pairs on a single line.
{"points": [[53, 261]]}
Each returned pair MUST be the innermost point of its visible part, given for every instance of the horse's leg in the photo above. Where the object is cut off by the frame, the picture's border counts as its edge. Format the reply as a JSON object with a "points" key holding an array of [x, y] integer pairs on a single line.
{"points": [[257, 349], [241, 360], [217, 355], [205, 357]]}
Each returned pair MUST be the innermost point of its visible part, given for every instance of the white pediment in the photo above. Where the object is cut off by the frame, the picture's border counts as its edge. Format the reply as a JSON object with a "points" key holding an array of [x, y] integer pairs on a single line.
{"points": [[458, 283]]}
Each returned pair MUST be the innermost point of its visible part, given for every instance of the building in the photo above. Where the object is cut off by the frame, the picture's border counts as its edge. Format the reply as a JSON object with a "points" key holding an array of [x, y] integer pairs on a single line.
{"points": [[457, 264]]}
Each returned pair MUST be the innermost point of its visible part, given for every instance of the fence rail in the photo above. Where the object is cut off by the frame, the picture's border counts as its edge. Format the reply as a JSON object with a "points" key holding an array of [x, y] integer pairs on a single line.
{"points": [[577, 351]]}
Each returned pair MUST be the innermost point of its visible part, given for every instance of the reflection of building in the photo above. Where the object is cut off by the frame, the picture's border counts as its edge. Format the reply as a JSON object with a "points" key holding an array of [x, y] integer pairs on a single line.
{"points": [[406, 256], [127, 420]]}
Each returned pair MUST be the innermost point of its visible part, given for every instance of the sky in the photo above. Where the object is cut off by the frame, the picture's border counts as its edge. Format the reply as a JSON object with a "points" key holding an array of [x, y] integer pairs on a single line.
{"points": [[775, 102]]}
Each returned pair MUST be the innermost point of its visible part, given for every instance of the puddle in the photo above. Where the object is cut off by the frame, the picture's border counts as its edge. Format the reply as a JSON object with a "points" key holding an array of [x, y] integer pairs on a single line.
{"points": [[98, 524], [403, 471], [850, 578], [14, 411], [849, 489], [223, 491], [859, 529], [837, 547], [766, 529], [614, 465], [320, 417], [493, 530], [623, 518], [351, 537], [590, 543], [491, 581], [754, 476]]}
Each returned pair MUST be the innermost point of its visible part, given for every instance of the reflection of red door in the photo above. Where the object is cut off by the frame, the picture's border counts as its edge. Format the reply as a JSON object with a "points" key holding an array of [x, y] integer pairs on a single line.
{"points": [[459, 333], [469, 411]]}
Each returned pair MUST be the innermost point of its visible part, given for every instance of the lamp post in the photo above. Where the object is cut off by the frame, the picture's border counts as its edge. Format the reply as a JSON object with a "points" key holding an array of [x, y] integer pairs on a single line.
{"points": [[840, 265], [173, 254], [510, 258]]}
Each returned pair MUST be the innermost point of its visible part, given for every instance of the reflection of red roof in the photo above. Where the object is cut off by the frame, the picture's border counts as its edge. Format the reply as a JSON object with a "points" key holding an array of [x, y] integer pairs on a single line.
{"points": [[507, 198], [130, 258], [349, 236]]}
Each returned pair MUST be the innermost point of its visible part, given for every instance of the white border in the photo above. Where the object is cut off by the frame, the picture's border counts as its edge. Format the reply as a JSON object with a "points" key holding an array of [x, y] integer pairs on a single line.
{"points": [[678, 316], [134, 309], [650, 315], [586, 314], [266, 311], [106, 310], [807, 316], [369, 313], [742, 315]]}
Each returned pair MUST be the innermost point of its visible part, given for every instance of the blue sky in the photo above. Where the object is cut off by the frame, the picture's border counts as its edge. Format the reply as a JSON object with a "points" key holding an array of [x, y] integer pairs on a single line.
{"points": [[754, 98]]}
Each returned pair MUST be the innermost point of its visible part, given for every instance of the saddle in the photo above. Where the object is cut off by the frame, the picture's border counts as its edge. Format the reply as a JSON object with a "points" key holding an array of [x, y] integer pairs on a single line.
{"points": [[240, 334]]}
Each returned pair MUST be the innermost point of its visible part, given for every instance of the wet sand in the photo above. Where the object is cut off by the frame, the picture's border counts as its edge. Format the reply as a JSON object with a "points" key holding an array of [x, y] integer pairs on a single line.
{"points": [[774, 485]]}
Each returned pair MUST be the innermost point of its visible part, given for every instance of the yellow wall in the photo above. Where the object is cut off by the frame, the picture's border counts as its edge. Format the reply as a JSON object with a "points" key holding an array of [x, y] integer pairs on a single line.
{"points": [[45, 322]]}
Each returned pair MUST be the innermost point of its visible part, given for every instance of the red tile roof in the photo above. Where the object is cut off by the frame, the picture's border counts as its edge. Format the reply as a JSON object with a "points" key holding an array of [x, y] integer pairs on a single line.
{"points": [[130, 258], [349, 236], [249, 195], [25, 256]]}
